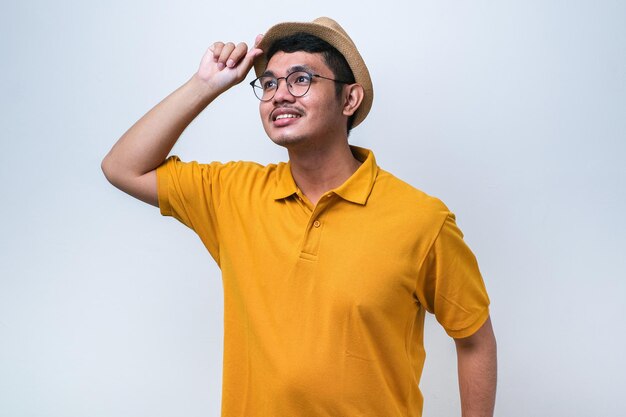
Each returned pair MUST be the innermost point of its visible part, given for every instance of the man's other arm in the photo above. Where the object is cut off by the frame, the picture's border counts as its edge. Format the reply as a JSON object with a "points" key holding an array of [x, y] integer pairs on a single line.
{"points": [[132, 162], [477, 367]]}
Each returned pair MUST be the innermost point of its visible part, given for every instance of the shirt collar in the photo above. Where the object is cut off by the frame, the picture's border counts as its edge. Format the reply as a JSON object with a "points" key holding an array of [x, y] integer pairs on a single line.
{"points": [[356, 189], [285, 184]]}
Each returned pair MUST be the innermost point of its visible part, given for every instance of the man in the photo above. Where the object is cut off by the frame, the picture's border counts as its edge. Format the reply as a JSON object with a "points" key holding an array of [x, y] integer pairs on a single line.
{"points": [[329, 262]]}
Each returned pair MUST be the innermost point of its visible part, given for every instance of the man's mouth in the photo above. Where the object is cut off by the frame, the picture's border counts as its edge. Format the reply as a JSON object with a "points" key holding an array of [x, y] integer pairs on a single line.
{"points": [[285, 113], [286, 116]]}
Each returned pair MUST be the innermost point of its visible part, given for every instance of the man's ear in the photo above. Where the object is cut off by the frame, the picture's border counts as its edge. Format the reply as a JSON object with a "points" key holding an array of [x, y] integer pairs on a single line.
{"points": [[353, 96]]}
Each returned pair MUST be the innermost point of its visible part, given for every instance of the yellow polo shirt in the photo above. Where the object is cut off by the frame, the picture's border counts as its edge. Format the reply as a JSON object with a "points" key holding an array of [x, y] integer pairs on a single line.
{"points": [[324, 306]]}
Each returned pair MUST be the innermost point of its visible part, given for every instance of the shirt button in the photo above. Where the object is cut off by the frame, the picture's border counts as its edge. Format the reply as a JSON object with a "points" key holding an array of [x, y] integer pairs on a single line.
{"points": [[317, 223]]}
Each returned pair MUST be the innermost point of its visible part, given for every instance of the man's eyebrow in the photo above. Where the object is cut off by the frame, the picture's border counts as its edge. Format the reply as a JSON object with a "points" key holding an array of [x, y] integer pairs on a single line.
{"points": [[295, 68]]}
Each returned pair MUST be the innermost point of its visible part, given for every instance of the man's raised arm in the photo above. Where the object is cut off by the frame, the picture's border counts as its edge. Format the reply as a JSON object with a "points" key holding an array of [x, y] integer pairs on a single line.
{"points": [[131, 164]]}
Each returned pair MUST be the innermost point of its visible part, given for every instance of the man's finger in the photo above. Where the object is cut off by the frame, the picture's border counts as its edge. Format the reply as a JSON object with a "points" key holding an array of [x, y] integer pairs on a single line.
{"points": [[225, 54], [258, 39], [237, 54], [216, 48]]}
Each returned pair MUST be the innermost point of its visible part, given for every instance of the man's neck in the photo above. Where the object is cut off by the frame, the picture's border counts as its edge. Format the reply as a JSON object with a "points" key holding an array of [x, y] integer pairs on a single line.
{"points": [[318, 170]]}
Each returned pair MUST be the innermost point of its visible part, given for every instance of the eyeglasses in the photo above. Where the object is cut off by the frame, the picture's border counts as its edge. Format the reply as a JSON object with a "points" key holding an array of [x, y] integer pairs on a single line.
{"points": [[298, 84]]}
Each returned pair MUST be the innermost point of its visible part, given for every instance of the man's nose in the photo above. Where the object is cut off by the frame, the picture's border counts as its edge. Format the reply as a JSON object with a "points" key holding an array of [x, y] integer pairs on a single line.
{"points": [[282, 91]]}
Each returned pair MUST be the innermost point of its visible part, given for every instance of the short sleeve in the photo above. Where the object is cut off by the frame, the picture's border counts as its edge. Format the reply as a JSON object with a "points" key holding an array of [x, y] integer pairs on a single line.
{"points": [[450, 284], [190, 192]]}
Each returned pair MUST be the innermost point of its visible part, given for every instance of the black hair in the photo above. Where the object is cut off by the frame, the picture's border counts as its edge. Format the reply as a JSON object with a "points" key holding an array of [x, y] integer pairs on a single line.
{"points": [[306, 42]]}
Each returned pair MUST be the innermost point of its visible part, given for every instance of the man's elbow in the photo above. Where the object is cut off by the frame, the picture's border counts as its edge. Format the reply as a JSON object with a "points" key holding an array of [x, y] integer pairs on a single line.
{"points": [[115, 173], [142, 187], [108, 169]]}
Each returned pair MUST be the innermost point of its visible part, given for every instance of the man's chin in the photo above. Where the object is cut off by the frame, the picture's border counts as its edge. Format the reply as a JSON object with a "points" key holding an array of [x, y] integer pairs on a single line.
{"points": [[286, 141]]}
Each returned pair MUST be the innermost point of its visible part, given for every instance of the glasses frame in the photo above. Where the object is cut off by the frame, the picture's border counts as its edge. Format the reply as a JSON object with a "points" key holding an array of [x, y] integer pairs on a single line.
{"points": [[310, 74]]}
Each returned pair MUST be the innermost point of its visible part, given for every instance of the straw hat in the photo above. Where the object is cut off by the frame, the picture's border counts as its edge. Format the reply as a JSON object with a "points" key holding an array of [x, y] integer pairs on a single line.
{"points": [[330, 31]]}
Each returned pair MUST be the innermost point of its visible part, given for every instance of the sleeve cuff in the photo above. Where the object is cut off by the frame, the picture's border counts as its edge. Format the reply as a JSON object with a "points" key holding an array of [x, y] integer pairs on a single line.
{"points": [[472, 328], [162, 189]]}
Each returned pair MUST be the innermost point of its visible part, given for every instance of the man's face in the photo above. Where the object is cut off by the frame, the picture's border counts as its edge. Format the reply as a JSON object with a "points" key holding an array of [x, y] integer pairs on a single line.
{"points": [[311, 119]]}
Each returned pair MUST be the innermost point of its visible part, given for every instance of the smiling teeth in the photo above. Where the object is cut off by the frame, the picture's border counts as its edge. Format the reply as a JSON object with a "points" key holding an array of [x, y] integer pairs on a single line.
{"points": [[286, 116]]}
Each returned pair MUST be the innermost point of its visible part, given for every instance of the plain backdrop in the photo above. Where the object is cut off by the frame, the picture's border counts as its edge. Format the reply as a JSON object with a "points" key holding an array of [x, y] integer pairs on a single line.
{"points": [[512, 112]]}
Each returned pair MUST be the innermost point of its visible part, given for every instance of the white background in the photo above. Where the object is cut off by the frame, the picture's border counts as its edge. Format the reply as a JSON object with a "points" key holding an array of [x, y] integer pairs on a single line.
{"points": [[512, 112]]}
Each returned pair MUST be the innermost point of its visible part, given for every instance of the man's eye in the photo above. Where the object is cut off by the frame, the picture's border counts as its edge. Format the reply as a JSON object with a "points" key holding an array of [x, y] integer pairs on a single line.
{"points": [[302, 79], [268, 84]]}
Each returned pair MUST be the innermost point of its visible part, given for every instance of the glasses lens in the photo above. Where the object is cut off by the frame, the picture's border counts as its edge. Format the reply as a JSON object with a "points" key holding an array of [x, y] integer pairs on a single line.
{"points": [[264, 87], [299, 83]]}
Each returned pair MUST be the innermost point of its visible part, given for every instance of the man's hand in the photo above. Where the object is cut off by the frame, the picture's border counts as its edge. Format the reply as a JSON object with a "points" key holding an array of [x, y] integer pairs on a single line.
{"points": [[225, 65]]}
